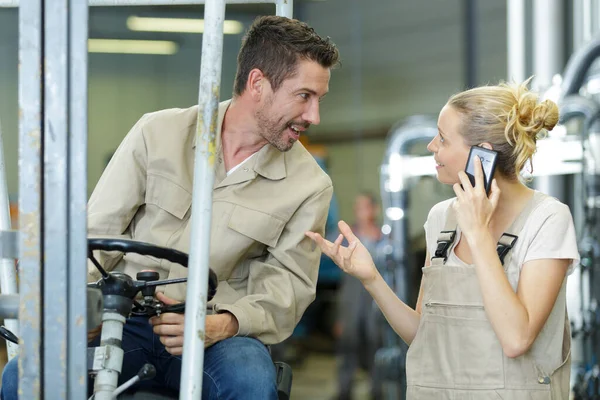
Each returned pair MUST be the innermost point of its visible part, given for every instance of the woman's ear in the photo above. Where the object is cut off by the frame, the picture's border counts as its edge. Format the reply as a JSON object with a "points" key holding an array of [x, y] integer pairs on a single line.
{"points": [[486, 145]]}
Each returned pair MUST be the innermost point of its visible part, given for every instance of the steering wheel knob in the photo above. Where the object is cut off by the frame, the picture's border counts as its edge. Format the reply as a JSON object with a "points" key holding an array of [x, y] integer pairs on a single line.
{"points": [[148, 276]]}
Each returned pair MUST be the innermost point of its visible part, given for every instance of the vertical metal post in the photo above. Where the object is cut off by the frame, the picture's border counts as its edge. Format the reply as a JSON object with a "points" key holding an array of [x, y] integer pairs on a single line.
{"points": [[586, 22], [548, 52], [577, 23], [285, 8], [197, 286], [77, 190], [548, 41], [55, 200], [470, 40], [30, 196], [8, 274], [515, 26]]}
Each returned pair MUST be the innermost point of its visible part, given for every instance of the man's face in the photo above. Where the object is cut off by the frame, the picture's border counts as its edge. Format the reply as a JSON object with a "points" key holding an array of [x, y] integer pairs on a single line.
{"points": [[284, 114]]}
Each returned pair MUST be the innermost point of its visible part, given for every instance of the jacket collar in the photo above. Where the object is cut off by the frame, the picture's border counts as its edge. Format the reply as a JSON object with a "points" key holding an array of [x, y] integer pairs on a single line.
{"points": [[223, 106], [270, 162]]}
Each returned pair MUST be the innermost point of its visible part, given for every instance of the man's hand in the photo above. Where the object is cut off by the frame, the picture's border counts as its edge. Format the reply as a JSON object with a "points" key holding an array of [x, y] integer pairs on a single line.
{"points": [[169, 326]]}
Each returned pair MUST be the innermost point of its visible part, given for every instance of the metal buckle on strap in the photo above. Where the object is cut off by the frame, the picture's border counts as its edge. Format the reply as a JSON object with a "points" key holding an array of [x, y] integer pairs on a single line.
{"points": [[444, 242], [505, 244]]}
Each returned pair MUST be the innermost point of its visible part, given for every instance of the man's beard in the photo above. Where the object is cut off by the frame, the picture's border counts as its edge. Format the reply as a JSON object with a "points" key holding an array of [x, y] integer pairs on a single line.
{"points": [[275, 133]]}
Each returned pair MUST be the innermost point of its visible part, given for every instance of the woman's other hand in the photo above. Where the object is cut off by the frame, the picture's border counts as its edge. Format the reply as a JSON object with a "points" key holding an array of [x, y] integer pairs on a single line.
{"points": [[354, 259]]}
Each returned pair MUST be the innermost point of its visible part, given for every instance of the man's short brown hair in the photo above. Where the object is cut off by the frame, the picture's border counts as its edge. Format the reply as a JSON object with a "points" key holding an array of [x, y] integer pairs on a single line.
{"points": [[275, 44]]}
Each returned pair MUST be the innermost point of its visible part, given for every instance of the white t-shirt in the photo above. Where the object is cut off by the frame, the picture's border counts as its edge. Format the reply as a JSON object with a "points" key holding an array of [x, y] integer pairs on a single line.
{"points": [[548, 232], [239, 165]]}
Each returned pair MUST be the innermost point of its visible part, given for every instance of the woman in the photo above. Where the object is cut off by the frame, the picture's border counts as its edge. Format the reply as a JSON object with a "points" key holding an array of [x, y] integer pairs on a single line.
{"points": [[485, 326]]}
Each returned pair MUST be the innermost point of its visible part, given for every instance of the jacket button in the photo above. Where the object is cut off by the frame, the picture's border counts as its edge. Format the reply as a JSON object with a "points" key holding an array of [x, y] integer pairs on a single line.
{"points": [[544, 380]]}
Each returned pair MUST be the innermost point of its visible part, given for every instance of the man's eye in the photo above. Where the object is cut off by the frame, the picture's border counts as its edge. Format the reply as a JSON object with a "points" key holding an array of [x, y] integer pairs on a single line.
{"points": [[304, 96], [442, 139]]}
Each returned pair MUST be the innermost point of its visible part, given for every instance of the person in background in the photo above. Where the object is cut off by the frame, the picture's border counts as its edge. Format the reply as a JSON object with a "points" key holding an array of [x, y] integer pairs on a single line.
{"points": [[357, 327]]}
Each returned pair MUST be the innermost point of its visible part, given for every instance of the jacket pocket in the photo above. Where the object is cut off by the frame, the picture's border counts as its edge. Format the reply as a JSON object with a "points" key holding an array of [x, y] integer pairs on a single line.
{"points": [[459, 348], [251, 233], [168, 196], [256, 225]]}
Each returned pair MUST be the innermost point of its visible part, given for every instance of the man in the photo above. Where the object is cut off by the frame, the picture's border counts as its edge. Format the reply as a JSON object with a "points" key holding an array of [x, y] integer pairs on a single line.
{"points": [[268, 192]]}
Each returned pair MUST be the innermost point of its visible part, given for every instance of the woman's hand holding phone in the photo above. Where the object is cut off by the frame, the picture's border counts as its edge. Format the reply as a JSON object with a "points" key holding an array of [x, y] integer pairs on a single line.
{"points": [[474, 209]]}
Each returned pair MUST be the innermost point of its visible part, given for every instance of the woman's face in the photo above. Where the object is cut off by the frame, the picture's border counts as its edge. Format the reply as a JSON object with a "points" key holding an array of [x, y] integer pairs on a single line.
{"points": [[448, 147]]}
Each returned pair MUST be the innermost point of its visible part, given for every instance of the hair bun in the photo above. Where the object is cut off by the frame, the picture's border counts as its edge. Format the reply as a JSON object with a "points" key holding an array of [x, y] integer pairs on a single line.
{"points": [[534, 117], [546, 114]]}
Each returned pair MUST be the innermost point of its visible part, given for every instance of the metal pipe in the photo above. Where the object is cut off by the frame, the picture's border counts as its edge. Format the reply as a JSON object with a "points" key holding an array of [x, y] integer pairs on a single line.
{"points": [[284, 8], [206, 129], [395, 183], [286, 5], [77, 209], [30, 195], [586, 22], [515, 26], [55, 198], [9, 307], [577, 67], [107, 377], [548, 52], [8, 273], [470, 40], [577, 23], [548, 41]]}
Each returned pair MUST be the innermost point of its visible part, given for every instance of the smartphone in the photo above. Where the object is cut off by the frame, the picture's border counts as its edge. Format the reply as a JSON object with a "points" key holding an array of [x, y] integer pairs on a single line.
{"points": [[488, 163]]}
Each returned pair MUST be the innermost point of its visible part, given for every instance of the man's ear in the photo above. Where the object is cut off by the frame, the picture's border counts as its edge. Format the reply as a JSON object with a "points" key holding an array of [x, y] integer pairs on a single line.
{"points": [[486, 145], [255, 84]]}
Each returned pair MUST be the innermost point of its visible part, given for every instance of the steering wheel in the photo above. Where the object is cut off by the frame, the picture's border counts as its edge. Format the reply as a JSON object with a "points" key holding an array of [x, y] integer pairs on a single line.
{"points": [[119, 292], [116, 287]]}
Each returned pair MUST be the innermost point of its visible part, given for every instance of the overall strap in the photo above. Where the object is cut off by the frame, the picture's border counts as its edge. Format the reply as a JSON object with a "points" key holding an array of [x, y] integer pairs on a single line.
{"points": [[445, 238], [505, 244], [509, 238]]}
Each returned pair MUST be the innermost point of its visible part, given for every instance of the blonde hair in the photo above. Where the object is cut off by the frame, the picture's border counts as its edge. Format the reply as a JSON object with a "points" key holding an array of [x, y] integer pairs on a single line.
{"points": [[509, 117]]}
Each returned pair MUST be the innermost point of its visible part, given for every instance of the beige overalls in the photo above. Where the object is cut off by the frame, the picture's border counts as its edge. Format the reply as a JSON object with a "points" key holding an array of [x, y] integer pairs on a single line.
{"points": [[456, 355]]}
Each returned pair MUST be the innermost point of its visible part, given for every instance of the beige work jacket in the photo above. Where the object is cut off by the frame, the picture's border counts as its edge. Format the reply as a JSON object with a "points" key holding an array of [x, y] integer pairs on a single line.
{"points": [[267, 267]]}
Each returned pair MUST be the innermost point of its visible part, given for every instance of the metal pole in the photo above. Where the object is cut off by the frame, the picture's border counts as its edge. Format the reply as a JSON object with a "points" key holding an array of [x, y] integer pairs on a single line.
{"points": [[30, 196], [285, 8], [77, 195], [578, 24], [285, 3], [9, 306], [548, 51], [592, 8], [470, 40], [515, 26], [548, 41], [8, 274], [55, 198], [206, 129], [586, 21]]}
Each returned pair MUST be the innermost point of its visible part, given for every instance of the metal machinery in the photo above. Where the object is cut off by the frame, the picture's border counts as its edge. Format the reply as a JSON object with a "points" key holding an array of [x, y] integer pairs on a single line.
{"points": [[51, 243], [403, 165]]}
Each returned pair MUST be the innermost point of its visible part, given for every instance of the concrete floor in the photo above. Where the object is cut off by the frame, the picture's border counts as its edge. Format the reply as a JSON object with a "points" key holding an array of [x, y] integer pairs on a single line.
{"points": [[314, 378]]}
